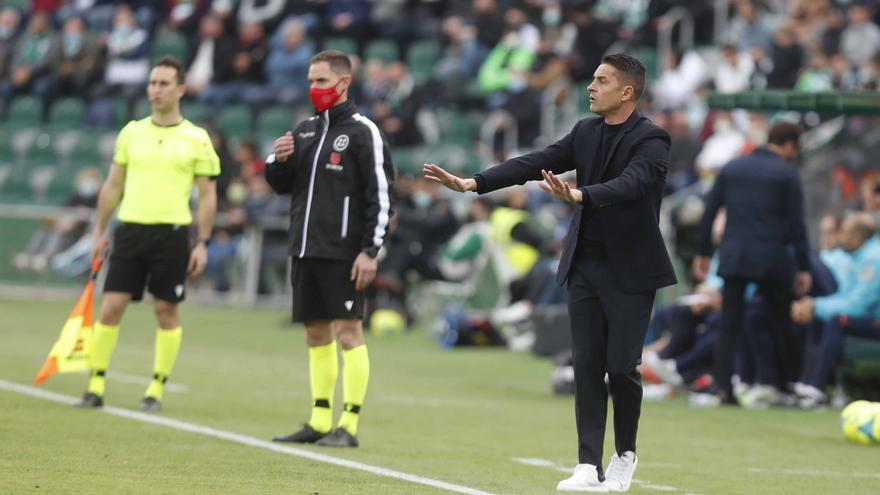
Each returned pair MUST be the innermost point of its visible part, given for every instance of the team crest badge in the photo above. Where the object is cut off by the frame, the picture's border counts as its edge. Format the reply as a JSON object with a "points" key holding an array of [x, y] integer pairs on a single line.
{"points": [[340, 143]]}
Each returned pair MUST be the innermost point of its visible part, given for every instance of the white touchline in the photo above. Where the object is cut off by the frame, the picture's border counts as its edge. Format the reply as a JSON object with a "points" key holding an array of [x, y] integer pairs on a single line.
{"points": [[242, 439]]}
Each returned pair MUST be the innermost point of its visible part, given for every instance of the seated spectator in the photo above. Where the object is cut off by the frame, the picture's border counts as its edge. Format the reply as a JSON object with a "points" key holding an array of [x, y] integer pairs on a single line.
{"points": [[56, 235], [683, 74], [749, 28], [248, 59], [286, 68], [786, 58], [208, 56], [506, 66], [854, 311], [861, 37], [9, 24], [396, 113], [734, 73], [30, 61], [348, 18], [128, 65], [76, 62]]}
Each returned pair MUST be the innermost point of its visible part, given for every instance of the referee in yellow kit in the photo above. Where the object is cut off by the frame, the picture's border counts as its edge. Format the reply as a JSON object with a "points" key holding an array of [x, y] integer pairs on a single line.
{"points": [[156, 163]]}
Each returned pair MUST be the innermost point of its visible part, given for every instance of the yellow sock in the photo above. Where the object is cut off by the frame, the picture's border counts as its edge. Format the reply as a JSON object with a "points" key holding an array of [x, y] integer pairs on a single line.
{"points": [[355, 376], [323, 371], [103, 343], [167, 345]]}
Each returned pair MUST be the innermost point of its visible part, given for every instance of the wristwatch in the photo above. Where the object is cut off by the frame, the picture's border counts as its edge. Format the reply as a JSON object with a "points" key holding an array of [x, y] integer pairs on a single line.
{"points": [[206, 242], [372, 251]]}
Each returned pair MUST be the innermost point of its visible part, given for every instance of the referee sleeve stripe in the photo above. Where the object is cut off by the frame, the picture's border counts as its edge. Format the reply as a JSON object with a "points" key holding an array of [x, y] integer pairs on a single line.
{"points": [[381, 180]]}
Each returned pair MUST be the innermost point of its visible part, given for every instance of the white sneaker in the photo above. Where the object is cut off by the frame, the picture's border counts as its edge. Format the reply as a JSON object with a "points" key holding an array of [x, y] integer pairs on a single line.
{"points": [[665, 369], [584, 479], [620, 472]]}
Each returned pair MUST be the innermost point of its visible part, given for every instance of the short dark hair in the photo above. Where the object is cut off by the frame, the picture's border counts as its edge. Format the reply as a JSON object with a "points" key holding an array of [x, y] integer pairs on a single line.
{"points": [[782, 133], [632, 69], [169, 61], [339, 62]]}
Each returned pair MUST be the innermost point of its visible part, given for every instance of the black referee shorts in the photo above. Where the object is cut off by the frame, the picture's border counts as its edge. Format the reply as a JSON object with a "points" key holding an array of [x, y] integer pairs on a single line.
{"points": [[153, 255], [323, 290]]}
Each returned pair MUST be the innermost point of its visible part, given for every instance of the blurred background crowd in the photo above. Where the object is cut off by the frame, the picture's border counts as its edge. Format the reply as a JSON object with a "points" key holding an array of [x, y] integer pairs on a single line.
{"points": [[462, 83]]}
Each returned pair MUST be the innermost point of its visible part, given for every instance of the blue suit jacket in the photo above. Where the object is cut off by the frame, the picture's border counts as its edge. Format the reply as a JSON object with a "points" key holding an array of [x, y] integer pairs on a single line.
{"points": [[764, 201], [626, 198]]}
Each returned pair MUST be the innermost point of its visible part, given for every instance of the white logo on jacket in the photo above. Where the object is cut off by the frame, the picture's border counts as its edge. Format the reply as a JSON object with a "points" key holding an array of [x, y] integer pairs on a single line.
{"points": [[340, 143], [305, 135]]}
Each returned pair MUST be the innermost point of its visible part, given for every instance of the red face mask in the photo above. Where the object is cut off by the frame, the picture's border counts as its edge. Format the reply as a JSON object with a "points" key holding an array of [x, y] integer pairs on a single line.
{"points": [[322, 99]]}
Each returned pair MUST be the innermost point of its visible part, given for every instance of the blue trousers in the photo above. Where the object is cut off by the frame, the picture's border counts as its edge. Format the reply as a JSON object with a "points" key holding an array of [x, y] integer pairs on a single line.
{"points": [[831, 345]]}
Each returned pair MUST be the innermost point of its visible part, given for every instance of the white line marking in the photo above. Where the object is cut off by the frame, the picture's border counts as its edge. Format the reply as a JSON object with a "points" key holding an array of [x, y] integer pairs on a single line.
{"points": [[243, 439], [118, 376], [813, 472]]}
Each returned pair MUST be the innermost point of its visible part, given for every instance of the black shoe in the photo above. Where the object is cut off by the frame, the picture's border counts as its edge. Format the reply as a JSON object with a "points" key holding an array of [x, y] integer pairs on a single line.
{"points": [[306, 434], [340, 437], [150, 404], [90, 400]]}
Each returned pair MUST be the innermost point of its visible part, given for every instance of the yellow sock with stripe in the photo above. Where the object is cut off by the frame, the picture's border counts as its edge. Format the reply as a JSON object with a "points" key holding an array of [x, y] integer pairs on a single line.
{"points": [[167, 346], [323, 371], [103, 343], [355, 376]]}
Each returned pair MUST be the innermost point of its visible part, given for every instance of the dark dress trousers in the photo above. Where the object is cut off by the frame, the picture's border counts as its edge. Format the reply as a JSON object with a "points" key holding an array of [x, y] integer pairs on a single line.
{"points": [[614, 260], [764, 200]]}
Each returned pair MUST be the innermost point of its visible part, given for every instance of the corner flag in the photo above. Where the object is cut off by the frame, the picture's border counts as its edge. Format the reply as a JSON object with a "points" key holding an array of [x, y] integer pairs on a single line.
{"points": [[71, 350]]}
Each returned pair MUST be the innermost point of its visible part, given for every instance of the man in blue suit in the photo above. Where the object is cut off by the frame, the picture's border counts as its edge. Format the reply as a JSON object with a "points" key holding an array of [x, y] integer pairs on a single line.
{"points": [[764, 199], [614, 258]]}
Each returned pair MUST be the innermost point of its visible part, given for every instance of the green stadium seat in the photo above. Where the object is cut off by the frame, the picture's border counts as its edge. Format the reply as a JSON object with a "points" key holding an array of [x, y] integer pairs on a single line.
{"points": [[421, 58], [67, 113], [648, 55], [460, 128], [42, 149], [15, 187], [235, 121], [274, 121], [383, 50], [404, 160], [168, 42], [24, 112], [86, 151], [346, 45], [196, 112]]}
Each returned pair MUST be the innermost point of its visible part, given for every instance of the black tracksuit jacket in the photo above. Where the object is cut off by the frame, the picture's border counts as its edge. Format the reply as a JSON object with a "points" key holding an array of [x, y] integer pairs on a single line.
{"points": [[339, 178]]}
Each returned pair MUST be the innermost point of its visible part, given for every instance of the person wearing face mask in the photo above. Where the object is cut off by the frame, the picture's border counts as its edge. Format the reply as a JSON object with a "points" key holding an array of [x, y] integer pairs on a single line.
{"points": [[56, 235], [337, 168], [76, 62], [614, 257], [765, 214]]}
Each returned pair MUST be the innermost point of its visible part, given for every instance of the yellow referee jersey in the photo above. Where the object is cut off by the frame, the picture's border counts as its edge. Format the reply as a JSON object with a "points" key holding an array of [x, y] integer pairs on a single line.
{"points": [[161, 164]]}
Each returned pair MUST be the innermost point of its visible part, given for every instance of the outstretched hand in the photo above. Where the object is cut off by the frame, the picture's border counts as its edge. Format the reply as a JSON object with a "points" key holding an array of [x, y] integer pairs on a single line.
{"points": [[437, 174], [559, 189]]}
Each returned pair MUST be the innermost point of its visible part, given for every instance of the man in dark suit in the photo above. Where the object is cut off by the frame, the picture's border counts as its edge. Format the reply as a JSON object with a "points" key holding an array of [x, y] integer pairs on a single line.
{"points": [[614, 258], [764, 200]]}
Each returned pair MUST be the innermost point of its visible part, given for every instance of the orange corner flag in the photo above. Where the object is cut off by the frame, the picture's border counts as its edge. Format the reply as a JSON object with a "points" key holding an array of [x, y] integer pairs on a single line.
{"points": [[71, 350]]}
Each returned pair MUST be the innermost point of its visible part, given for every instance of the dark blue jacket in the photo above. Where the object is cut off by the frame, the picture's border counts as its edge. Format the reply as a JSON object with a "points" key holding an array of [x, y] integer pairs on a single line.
{"points": [[764, 201], [626, 198]]}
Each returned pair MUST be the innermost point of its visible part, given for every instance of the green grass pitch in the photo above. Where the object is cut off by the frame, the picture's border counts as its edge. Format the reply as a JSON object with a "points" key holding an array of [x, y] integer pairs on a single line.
{"points": [[467, 417]]}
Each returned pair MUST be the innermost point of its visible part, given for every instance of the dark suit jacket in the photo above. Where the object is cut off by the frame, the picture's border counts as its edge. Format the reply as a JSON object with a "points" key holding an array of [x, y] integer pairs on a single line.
{"points": [[626, 198], [764, 200]]}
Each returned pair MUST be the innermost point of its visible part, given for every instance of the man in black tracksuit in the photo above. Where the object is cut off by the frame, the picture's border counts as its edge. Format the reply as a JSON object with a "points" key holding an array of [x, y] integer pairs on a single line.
{"points": [[338, 170]]}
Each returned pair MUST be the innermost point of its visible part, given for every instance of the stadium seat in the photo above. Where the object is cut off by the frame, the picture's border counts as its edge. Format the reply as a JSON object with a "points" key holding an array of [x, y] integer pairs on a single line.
{"points": [[648, 55], [342, 44], [421, 58], [274, 121], [168, 42], [15, 186], [42, 150], [67, 113], [86, 152], [459, 128], [24, 112], [383, 50], [235, 120], [196, 112], [404, 160]]}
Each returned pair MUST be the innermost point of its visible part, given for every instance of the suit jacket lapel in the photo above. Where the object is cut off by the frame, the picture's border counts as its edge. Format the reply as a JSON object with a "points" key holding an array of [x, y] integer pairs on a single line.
{"points": [[627, 126]]}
